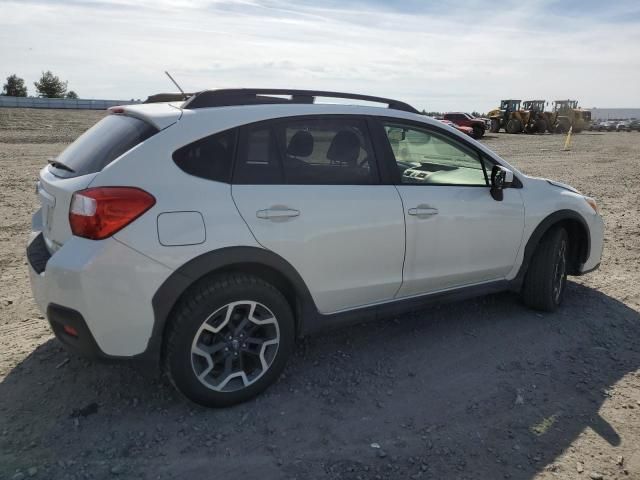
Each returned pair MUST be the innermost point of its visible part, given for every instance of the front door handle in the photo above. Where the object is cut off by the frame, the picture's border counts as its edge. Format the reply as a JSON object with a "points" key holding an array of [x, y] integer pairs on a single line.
{"points": [[423, 211], [277, 213]]}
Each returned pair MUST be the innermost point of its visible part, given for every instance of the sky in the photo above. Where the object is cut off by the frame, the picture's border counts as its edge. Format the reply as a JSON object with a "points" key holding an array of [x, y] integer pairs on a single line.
{"points": [[437, 55]]}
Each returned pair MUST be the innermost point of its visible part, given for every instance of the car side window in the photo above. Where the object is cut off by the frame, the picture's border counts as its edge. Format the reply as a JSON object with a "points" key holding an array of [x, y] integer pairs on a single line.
{"points": [[426, 157], [258, 161], [328, 151], [210, 157]]}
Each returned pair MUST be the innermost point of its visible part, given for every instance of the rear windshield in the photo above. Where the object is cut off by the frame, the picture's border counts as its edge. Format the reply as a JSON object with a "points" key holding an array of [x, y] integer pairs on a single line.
{"points": [[100, 145]]}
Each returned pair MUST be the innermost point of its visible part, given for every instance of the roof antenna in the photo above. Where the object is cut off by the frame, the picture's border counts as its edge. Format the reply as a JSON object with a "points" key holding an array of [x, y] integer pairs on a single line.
{"points": [[176, 84]]}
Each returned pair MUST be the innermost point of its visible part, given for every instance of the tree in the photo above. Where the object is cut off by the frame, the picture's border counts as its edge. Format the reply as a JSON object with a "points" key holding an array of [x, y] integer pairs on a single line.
{"points": [[72, 94], [50, 86], [14, 87]]}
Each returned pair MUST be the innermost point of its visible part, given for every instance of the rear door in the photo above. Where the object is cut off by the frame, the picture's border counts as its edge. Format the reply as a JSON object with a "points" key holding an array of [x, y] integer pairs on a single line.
{"points": [[457, 234], [309, 189]]}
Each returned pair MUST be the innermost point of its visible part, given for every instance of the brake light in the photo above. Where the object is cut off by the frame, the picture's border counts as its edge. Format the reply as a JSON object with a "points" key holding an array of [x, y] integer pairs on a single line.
{"points": [[98, 213]]}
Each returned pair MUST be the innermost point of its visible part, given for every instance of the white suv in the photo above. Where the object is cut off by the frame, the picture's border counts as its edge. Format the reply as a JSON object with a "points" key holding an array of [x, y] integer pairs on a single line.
{"points": [[209, 234]]}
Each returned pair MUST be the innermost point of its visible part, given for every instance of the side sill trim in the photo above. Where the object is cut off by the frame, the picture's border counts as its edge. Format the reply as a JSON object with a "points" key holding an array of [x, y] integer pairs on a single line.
{"points": [[323, 322]]}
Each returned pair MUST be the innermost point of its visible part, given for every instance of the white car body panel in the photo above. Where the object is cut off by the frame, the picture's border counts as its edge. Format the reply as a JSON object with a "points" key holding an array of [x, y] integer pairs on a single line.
{"points": [[153, 170], [471, 239], [542, 199], [347, 242], [110, 284], [55, 198]]}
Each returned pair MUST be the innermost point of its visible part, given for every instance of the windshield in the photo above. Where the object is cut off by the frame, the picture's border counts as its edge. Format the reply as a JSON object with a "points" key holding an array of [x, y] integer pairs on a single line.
{"points": [[100, 145]]}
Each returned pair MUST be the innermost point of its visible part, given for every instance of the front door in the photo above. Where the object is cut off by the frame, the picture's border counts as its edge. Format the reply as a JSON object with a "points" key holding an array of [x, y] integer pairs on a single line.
{"points": [[309, 189], [456, 233]]}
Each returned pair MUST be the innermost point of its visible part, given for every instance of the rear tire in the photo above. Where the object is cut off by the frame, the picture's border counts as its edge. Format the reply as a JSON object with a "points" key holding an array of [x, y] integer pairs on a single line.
{"points": [[228, 339], [541, 126], [546, 278]]}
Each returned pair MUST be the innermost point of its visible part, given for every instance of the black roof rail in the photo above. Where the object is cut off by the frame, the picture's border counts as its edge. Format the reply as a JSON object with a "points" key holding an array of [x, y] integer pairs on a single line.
{"points": [[259, 96], [167, 97]]}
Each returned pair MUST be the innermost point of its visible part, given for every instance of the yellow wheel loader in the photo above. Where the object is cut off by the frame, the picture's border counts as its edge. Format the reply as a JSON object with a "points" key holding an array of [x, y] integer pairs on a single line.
{"points": [[508, 116], [538, 121], [568, 114]]}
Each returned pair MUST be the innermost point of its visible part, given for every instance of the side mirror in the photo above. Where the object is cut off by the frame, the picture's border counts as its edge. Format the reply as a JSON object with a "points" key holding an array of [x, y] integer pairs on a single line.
{"points": [[501, 178]]}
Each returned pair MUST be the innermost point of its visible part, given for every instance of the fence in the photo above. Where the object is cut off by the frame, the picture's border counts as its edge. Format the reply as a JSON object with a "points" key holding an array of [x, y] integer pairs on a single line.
{"points": [[33, 102]]}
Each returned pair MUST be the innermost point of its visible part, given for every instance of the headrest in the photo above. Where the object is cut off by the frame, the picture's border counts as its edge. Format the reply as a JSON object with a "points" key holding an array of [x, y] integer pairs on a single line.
{"points": [[301, 144], [344, 148]]}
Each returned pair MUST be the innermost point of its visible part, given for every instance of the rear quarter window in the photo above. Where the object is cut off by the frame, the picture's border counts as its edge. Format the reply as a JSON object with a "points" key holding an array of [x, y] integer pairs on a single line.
{"points": [[101, 144], [210, 157]]}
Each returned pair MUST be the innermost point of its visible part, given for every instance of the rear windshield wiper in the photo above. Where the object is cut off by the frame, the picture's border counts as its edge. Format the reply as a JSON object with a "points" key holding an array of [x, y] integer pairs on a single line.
{"points": [[54, 163]]}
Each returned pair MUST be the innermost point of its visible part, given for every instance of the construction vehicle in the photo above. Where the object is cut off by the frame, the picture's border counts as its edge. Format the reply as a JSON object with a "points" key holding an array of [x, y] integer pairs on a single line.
{"points": [[537, 120], [567, 114], [508, 116]]}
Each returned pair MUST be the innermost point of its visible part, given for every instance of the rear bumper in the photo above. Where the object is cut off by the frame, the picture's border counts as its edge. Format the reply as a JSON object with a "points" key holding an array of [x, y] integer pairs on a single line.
{"points": [[81, 341], [101, 289]]}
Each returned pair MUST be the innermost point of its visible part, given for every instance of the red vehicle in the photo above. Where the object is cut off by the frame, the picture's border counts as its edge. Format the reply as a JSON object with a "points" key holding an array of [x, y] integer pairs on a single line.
{"points": [[467, 130], [465, 120]]}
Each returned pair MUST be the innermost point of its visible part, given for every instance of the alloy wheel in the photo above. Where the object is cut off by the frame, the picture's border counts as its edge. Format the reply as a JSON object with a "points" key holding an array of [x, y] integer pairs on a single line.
{"points": [[235, 346], [560, 270]]}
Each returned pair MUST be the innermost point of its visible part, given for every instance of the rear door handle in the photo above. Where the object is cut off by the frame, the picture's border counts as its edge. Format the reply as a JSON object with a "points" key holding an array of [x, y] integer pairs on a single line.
{"points": [[276, 213], [423, 211]]}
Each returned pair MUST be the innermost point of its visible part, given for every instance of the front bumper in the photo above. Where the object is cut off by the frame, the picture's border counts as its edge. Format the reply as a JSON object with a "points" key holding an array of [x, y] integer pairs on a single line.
{"points": [[102, 289], [596, 241]]}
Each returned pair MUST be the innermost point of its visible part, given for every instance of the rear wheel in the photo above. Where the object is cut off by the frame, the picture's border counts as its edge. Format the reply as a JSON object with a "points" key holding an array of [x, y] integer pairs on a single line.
{"points": [[546, 278], [541, 126], [228, 340]]}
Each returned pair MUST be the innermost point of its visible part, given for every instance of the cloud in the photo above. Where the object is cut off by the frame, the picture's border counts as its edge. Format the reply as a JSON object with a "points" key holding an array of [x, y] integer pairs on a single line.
{"points": [[462, 55]]}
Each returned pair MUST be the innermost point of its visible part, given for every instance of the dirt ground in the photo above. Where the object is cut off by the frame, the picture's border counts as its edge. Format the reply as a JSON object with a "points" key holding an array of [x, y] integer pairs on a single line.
{"points": [[483, 389]]}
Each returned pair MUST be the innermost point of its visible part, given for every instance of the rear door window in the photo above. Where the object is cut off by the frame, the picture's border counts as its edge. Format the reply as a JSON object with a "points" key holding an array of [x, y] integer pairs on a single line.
{"points": [[327, 151], [101, 144], [258, 162]]}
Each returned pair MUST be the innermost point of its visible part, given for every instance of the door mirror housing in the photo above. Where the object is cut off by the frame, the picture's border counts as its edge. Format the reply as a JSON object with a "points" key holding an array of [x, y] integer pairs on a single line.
{"points": [[501, 178]]}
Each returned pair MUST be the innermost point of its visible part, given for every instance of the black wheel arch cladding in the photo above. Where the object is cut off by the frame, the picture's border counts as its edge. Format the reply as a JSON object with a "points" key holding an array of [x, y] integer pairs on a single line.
{"points": [[579, 239], [255, 260]]}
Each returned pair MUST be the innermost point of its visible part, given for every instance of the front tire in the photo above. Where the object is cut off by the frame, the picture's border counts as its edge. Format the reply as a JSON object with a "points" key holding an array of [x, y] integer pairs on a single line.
{"points": [[228, 339], [514, 126], [478, 132], [546, 278]]}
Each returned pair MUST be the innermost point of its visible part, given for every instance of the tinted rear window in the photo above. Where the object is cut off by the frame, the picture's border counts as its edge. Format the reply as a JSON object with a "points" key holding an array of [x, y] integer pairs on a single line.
{"points": [[210, 157], [101, 144]]}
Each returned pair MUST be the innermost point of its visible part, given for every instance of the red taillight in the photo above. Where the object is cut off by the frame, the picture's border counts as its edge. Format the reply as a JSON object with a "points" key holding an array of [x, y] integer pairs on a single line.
{"points": [[98, 213]]}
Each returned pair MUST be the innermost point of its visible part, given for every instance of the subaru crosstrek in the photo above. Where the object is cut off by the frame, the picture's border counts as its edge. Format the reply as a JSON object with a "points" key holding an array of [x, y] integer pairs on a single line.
{"points": [[209, 234]]}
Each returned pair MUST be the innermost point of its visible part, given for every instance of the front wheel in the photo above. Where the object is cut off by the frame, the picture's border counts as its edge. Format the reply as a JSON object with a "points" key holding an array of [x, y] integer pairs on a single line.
{"points": [[228, 340], [546, 278], [514, 126], [478, 132]]}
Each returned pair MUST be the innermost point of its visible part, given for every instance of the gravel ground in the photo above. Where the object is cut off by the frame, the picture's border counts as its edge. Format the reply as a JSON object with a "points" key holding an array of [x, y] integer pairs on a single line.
{"points": [[482, 389]]}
